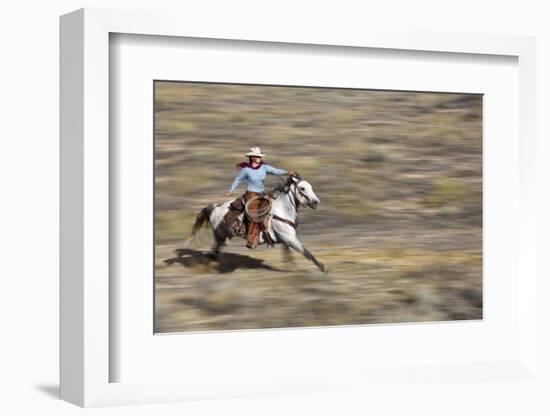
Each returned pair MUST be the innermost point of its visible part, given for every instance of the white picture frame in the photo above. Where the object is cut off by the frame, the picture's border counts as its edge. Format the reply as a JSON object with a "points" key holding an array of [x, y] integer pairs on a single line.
{"points": [[85, 213]]}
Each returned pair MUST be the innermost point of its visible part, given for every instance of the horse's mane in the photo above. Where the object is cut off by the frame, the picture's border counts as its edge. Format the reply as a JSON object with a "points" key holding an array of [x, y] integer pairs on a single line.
{"points": [[280, 188]]}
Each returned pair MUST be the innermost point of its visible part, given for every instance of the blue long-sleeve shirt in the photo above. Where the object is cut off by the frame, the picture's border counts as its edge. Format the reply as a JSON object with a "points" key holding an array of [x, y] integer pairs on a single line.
{"points": [[255, 177]]}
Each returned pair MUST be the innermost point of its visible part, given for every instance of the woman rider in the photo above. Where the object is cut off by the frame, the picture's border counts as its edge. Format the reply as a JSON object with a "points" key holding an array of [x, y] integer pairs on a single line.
{"points": [[254, 173]]}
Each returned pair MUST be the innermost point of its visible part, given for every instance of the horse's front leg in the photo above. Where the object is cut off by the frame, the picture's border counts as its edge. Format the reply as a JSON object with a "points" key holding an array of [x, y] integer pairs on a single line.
{"points": [[299, 247], [287, 255]]}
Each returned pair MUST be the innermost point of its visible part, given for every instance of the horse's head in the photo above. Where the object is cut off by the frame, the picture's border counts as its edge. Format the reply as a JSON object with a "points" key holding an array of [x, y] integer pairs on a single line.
{"points": [[303, 191]]}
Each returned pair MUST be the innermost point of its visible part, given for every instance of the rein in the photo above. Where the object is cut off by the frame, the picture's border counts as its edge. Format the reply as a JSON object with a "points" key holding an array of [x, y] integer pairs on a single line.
{"points": [[292, 224]]}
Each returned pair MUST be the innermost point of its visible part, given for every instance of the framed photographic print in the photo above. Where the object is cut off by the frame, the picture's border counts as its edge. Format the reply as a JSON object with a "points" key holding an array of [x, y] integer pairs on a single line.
{"points": [[262, 213]]}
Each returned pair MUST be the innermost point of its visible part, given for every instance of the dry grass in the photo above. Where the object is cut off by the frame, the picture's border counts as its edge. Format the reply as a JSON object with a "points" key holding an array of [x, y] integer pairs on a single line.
{"points": [[399, 226]]}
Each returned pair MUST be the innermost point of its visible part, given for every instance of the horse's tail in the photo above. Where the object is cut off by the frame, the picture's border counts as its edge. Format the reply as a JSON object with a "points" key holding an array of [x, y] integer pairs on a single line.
{"points": [[202, 217]]}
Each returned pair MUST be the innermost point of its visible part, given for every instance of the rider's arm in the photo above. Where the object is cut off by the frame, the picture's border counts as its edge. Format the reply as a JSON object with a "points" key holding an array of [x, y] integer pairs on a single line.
{"points": [[274, 171], [237, 181]]}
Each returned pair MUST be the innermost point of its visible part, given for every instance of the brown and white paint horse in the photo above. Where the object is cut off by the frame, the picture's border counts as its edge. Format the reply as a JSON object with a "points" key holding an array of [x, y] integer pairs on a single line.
{"points": [[295, 192]]}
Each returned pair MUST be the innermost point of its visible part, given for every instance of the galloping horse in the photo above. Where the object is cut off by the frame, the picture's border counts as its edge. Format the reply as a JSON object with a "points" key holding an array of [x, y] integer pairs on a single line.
{"points": [[288, 197]]}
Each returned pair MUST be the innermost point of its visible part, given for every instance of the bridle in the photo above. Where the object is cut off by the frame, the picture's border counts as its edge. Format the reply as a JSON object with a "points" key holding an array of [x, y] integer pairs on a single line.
{"points": [[294, 201]]}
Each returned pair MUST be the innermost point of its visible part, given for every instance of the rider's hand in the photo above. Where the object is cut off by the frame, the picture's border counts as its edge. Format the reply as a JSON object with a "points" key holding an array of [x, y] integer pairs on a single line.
{"points": [[292, 173]]}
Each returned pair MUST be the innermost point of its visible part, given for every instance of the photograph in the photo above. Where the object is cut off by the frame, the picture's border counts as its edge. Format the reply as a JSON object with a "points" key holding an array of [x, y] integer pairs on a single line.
{"points": [[282, 206]]}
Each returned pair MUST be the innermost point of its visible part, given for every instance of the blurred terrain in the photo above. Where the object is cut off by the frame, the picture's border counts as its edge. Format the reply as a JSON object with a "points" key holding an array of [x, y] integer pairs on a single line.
{"points": [[399, 175]]}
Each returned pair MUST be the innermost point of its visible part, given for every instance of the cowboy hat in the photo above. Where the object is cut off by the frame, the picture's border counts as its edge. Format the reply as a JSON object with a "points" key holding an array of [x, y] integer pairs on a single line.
{"points": [[255, 151]]}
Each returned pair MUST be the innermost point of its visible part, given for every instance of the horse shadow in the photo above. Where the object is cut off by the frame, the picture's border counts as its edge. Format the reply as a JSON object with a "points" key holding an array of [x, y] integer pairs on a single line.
{"points": [[228, 263]]}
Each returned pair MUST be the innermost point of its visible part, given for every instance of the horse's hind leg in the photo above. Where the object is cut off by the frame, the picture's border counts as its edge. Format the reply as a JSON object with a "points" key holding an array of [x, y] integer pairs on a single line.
{"points": [[219, 242]]}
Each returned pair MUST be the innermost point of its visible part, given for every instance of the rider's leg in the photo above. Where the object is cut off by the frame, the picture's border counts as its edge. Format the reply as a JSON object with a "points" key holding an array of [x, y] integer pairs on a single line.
{"points": [[231, 225], [253, 231]]}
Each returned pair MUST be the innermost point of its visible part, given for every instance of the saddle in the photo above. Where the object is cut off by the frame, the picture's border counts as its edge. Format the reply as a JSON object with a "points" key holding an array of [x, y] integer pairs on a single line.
{"points": [[257, 221]]}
